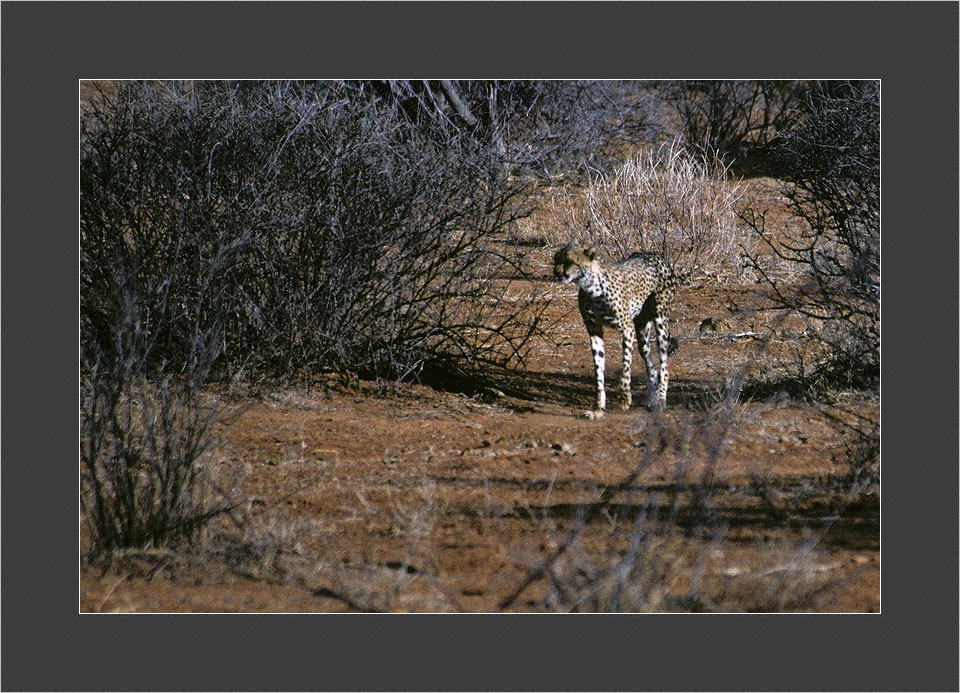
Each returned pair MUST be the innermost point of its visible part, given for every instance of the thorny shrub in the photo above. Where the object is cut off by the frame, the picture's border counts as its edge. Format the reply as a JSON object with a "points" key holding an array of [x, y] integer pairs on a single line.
{"points": [[540, 129], [144, 479], [733, 120], [830, 168], [343, 237]]}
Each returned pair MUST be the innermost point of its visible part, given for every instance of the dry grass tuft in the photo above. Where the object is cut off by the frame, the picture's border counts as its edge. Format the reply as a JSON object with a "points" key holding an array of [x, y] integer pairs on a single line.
{"points": [[665, 200]]}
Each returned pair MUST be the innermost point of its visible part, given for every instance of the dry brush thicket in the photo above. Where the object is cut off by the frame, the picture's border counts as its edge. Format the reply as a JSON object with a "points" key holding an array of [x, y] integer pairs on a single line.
{"points": [[830, 167]]}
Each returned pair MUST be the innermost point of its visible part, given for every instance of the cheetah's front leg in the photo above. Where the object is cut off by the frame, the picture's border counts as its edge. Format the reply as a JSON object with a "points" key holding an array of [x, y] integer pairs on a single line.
{"points": [[596, 347], [629, 339]]}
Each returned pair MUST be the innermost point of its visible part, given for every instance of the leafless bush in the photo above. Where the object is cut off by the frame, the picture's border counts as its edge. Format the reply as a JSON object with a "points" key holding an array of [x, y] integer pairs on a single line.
{"points": [[545, 129], [643, 574], [830, 166], [733, 120], [144, 478], [664, 201], [151, 330], [344, 236]]}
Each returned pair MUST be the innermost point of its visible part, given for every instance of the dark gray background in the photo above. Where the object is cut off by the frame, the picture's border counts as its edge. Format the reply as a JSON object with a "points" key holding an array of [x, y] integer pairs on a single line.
{"points": [[47, 47]]}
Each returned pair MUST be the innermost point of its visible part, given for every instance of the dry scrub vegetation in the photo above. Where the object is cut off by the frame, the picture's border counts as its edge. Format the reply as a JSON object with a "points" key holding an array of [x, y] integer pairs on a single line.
{"points": [[323, 367], [666, 200]]}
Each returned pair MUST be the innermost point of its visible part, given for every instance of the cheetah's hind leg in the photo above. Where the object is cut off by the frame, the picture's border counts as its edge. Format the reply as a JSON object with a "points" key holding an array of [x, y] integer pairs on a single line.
{"points": [[658, 396], [642, 325]]}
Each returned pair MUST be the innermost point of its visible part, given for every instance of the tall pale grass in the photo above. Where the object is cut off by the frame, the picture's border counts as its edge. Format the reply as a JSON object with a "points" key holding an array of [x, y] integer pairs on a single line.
{"points": [[665, 200]]}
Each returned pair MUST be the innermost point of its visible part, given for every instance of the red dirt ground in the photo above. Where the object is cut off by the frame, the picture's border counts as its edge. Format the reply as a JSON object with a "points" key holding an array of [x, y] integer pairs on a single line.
{"points": [[408, 498]]}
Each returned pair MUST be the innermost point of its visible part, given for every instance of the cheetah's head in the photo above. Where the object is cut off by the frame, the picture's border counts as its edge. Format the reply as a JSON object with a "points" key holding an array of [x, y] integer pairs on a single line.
{"points": [[572, 262]]}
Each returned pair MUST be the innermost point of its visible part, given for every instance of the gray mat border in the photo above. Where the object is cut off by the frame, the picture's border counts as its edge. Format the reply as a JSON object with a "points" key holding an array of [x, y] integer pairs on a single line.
{"points": [[46, 47]]}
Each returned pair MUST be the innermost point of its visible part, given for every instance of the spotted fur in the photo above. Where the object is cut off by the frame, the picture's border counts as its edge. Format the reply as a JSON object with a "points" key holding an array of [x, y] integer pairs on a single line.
{"points": [[629, 296]]}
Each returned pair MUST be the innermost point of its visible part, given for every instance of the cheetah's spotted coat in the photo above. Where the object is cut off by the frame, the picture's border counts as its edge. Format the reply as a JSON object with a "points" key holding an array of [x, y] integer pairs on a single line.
{"points": [[628, 296]]}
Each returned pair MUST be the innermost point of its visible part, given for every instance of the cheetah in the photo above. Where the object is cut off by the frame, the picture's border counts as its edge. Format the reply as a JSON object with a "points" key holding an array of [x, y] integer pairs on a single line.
{"points": [[628, 296]]}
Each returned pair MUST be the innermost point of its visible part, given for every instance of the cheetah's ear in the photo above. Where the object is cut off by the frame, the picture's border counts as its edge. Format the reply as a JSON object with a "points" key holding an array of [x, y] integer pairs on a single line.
{"points": [[591, 252]]}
